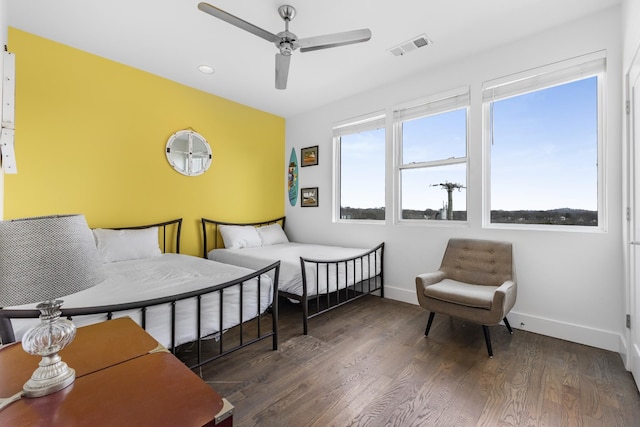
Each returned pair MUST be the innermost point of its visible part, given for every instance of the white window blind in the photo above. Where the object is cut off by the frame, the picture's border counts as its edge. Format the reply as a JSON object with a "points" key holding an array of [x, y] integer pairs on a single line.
{"points": [[451, 101], [518, 85], [360, 125]]}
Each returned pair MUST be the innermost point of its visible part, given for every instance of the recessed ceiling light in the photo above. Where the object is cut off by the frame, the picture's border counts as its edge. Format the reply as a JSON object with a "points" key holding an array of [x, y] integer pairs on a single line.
{"points": [[206, 69]]}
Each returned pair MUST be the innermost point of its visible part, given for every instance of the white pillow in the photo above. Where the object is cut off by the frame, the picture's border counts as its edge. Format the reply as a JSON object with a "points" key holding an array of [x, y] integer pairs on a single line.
{"points": [[240, 236], [123, 245], [272, 234]]}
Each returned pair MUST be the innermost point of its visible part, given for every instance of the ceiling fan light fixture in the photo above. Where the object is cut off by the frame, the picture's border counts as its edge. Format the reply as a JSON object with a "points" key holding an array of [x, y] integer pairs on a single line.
{"points": [[206, 69]]}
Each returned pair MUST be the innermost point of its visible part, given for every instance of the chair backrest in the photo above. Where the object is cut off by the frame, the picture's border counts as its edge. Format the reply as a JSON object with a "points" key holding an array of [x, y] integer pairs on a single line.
{"points": [[481, 262]]}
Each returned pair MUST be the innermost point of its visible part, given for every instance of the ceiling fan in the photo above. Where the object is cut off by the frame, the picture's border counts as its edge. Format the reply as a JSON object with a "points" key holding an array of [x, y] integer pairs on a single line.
{"points": [[286, 41]]}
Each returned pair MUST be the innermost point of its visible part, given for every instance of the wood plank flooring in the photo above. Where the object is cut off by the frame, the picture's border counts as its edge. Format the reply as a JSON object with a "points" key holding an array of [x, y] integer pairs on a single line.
{"points": [[369, 364]]}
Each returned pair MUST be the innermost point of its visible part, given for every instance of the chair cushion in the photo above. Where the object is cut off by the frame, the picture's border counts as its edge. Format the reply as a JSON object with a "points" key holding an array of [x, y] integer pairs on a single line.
{"points": [[455, 292]]}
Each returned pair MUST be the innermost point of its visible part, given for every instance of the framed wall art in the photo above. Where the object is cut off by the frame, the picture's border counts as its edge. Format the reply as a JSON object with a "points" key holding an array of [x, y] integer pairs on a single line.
{"points": [[309, 197], [309, 156]]}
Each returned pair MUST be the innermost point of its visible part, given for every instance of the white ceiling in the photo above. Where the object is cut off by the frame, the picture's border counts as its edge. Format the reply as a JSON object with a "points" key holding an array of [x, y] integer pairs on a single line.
{"points": [[170, 38]]}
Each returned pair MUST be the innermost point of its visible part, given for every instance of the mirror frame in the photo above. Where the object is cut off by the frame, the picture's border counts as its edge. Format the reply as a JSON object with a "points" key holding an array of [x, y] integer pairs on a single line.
{"points": [[188, 169]]}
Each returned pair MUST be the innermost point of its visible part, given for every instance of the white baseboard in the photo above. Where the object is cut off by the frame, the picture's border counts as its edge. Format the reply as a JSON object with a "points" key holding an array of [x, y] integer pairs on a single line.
{"points": [[606, 340], [400, 295], [625, 352]]}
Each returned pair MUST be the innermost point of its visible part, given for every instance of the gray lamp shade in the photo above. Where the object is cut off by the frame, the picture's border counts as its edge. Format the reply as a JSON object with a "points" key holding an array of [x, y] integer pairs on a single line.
{"points": [[44, 258]]}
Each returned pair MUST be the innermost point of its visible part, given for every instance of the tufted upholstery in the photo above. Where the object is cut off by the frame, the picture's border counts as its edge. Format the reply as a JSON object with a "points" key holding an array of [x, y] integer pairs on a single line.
{"points": [[481, 262], [476, 282]]}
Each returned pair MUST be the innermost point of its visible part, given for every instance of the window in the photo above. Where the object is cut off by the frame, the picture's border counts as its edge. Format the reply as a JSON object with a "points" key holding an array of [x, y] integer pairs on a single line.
{"points": [[360, 175], [544, 138], [432, 161]]}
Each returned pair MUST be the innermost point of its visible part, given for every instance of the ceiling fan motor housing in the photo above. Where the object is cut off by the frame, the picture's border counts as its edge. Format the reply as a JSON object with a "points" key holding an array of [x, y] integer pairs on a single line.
{"points": [[287, 43]]}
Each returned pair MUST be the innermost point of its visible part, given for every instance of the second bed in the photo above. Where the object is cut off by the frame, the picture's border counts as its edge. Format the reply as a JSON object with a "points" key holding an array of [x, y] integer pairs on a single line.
{"points": [[319, 277]]}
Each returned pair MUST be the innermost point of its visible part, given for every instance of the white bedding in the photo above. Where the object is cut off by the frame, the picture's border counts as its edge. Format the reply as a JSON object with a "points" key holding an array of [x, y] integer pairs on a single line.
{"points": [[290, 277], [169, 274]]}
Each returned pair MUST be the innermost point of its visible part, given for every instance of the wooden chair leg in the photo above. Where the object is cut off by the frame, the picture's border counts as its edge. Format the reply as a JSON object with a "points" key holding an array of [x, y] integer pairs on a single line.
{"points": [[506, 323], [487, 338], [431, 316]]}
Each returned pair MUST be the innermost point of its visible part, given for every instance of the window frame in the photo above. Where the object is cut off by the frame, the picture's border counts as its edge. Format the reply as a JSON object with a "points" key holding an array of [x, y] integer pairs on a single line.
{"points": [[368, 122], [443, 102], [557, 74]]}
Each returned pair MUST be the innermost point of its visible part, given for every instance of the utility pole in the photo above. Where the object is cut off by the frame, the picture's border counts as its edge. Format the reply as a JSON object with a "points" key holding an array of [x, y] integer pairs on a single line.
{"points": [[449, 186]]}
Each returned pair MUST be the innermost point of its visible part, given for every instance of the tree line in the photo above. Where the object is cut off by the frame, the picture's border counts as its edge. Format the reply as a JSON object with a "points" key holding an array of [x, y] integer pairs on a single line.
{"points": [[563, 216]]}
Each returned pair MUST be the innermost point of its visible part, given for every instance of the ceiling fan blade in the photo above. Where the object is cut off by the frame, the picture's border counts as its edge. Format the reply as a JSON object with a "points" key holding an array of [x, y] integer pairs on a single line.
{"points": [[282, 70], [334, 40], [240, 23]]}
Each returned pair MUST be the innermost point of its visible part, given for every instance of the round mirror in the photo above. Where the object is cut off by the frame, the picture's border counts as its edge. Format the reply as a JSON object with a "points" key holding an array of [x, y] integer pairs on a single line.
{"points": [[188, 153]]}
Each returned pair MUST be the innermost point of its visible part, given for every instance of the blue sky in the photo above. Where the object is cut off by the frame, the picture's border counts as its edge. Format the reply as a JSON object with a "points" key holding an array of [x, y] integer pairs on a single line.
{"points": [[544, 154], [363, 178]]}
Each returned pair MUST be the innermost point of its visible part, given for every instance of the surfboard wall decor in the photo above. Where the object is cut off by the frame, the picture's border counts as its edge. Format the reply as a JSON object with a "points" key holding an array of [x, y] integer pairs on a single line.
{"points": [[293, 178]]}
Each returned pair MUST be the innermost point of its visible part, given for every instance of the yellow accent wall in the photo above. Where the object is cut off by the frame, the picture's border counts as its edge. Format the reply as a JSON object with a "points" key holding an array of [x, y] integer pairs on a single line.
{"points": [[91, 134]]}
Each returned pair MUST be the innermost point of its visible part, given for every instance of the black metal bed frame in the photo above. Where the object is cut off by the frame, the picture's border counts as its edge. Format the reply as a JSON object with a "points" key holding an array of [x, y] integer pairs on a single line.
{"points": [[244, 338], [318, 303]]}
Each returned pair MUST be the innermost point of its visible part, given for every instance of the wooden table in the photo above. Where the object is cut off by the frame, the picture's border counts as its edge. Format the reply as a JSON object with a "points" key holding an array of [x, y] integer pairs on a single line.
{"points": [[123, 377]]}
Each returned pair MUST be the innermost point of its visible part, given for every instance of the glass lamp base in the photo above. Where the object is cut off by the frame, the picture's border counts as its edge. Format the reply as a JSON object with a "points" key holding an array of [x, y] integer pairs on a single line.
{"points": [[46, 339], [52, 375]]}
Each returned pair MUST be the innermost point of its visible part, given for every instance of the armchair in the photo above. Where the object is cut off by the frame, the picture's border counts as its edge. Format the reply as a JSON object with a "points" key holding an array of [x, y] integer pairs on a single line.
{"points": [[476, 282]]}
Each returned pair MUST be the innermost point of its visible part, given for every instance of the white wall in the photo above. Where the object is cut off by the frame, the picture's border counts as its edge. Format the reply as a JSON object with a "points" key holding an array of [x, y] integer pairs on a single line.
{"points": [[570, 284], [630, 30]]}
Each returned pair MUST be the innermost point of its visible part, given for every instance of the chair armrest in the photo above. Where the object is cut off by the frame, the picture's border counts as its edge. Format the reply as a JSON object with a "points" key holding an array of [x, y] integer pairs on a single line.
{"points": [[424, 280], [505, 296], [427, 279]]}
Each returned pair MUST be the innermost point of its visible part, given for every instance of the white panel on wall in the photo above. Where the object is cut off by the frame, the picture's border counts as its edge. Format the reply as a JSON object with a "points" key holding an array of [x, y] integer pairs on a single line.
{"points": [[8, 89], [8, 112], [7, 151]]}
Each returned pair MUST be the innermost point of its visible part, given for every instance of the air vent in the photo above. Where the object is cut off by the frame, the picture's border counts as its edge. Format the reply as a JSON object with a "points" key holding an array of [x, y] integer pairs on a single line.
{"points": [[410, 45]]}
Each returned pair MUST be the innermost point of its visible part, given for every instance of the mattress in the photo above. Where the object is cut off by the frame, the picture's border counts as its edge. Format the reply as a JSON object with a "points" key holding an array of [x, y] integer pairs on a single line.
{"points": [[327, 278], [166, 275]]}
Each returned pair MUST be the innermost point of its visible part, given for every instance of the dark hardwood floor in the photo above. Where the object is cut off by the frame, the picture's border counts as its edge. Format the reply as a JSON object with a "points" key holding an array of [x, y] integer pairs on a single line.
{"points": [[368, 363]]}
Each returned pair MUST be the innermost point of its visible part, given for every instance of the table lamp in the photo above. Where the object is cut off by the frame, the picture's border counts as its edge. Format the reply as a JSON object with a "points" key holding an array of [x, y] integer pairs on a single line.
{"points": [[42, 259]]}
